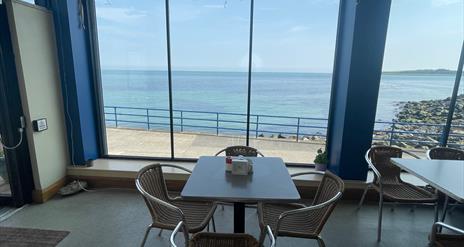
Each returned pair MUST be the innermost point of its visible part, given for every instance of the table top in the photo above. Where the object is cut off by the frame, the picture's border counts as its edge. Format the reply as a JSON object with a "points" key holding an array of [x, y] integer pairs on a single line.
{"points": [[269, 182], [445, 175]]}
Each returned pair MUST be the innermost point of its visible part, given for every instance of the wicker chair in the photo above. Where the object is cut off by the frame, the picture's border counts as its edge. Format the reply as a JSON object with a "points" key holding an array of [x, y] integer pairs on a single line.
{"points": [[387, 182], [444, 153], [240, 150], [299, 220], [166, 211], [236, 151], [207, 239], [446, 240]]}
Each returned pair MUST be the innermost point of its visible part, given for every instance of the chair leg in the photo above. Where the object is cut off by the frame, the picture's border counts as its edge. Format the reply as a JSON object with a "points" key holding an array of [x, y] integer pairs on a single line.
{"points": [[363, 196], [262, 235], [392, 209], [445, 209], [435, 219], [379, 228], [214, 224], [160, 232], [320, 241], [147, 231], [222, 207]]}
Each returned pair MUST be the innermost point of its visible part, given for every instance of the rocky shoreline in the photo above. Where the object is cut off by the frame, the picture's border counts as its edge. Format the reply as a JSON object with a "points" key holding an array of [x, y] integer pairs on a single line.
{"points": [[418, 124]]}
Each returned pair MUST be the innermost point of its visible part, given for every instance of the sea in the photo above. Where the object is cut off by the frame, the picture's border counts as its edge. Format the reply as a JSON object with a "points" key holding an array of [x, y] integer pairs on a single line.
{"points": [[213, 102]]}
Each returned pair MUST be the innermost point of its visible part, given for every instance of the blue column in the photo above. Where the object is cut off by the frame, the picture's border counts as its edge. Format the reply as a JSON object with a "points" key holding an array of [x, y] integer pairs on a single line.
{"points": [[78, 84], [362, 29]]}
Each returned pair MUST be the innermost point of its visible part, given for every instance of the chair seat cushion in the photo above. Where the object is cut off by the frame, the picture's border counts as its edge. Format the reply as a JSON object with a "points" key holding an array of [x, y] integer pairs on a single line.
{"points": [[302, 226], [208, 239], [405, 192]]}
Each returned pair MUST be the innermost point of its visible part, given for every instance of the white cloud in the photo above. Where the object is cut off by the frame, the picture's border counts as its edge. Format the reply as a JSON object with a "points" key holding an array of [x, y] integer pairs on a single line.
{"points": [[120, 14], [439, 3], [298, 28]]}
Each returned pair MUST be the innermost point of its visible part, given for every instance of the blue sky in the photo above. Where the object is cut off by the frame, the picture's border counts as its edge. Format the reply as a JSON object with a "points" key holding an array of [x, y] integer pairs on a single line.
{"points": [[289, 35]]}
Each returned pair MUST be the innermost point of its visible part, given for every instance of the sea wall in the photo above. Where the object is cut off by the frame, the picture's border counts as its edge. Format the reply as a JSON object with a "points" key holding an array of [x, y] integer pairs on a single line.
{"points": [[419, 124]]}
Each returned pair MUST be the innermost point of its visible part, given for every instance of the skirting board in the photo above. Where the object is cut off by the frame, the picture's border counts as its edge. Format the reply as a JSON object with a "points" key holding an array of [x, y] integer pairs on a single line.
{"points": [[43, 195]]}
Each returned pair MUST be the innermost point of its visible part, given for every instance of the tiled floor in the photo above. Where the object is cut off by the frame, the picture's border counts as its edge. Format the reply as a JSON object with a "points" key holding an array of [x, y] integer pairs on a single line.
{"points": [[119, 217]]}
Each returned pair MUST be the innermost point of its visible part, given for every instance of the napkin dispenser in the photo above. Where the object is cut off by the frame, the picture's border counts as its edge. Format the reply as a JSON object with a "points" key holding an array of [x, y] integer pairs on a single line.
{"points": [[241, 166]]}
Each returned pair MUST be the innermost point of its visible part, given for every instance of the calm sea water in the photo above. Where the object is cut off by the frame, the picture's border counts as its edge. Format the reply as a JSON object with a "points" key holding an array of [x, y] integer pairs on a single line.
{"points": [[281, 94]]}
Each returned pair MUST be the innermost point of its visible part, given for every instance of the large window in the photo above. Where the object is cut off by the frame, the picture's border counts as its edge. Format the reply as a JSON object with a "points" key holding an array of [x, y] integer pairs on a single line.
{"points": [[132, 42], [209, 75], [203, 106], [421, 56], [293, 54]]}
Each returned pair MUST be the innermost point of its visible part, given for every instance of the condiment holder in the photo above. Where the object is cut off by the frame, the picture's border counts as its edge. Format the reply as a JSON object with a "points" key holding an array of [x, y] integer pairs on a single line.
{"points": [[239, 165]]}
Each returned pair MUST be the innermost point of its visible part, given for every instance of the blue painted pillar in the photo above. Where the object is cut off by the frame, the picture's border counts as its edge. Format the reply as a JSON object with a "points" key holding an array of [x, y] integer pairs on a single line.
{"points": [[362, 30], [78, 84]]}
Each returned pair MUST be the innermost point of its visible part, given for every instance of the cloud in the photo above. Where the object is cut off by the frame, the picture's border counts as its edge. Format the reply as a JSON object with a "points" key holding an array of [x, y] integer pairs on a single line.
{"points": [[116, 14], [440, 3], [298, 28]]}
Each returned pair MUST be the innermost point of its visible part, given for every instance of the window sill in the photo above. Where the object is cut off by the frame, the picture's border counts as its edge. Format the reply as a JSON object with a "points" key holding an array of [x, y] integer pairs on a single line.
{"points": [[123, 168]]}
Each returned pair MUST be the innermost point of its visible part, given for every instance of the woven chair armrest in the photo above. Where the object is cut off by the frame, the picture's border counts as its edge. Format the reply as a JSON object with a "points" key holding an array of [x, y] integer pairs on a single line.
{"points": [[306, 173], [179, 226], [433, 235], [220, 151], [427, 154], [259, 153], [307, 209], [271, 235], [376, 172], [157, 200], [177, 167]]}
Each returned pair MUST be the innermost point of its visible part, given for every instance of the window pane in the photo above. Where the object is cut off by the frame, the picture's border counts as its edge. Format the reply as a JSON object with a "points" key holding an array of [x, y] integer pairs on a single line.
{"points": [[209, 42], [293, 52], [456, 137], [132, 39], [421, 55]]}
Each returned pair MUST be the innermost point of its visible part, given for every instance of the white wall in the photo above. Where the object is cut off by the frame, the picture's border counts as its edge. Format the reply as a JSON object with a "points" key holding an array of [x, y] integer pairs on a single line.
{"points": [[38, 73]]}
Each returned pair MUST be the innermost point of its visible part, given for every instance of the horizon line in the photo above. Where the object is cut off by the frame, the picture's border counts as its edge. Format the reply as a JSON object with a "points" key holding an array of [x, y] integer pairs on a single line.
{"points": [[439, 70]]}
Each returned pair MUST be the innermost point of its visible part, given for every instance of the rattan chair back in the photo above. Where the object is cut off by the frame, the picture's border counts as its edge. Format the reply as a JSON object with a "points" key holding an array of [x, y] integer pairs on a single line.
{"points": [[379, 157], [444, 153], [330, 186], [240, 150], [151, 184]]}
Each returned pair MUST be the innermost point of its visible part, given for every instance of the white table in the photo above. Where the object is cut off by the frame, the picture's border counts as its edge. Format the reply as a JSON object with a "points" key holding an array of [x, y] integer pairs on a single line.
{"points": [[270, 182], [445, 175]]}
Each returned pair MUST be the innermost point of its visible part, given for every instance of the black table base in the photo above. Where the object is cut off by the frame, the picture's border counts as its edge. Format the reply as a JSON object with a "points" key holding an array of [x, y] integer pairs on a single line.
{"points": [[239, 217]]}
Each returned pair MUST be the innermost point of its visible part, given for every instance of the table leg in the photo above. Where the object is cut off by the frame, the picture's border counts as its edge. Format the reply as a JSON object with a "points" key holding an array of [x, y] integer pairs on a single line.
{"points": [[239, 217]]}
